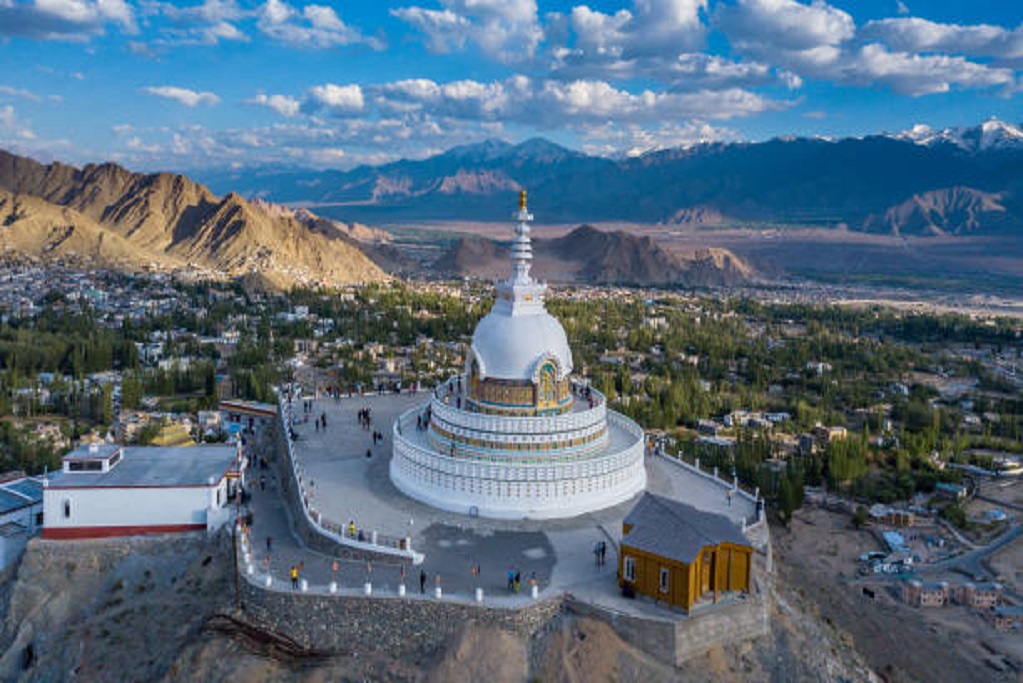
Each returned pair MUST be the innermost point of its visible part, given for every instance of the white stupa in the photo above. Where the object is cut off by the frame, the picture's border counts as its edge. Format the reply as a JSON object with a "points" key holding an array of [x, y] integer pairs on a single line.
{"points": [[515, 436]]}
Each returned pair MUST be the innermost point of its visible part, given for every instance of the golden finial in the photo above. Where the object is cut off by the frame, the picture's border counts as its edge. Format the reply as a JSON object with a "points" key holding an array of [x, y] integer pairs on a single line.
{"points": [[522, 200]]}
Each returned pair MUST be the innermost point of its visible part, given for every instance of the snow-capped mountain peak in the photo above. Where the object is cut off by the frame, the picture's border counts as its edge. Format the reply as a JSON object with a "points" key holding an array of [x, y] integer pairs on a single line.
{"points": [[993, 134]]}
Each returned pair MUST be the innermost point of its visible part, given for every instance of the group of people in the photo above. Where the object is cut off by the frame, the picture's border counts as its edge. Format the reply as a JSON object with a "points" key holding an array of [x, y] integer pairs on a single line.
{"points": [[365, 418]]}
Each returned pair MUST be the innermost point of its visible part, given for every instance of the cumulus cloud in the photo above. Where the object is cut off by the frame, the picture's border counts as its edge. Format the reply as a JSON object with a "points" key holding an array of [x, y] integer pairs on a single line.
{"points": [[282, 104], [506, 30], [907, 55], [912, 34], [914, 74], [314, 26], [64, 19], [337, 99], [555, 104], [785, 24], [189, 98]]}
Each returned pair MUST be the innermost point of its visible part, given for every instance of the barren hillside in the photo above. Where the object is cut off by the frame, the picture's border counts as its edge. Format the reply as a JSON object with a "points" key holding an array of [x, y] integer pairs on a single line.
{"points": [[169, 220]]}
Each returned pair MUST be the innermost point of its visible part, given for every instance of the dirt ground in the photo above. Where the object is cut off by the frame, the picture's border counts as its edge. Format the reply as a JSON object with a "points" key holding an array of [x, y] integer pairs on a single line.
{"points": [[819, 555]]}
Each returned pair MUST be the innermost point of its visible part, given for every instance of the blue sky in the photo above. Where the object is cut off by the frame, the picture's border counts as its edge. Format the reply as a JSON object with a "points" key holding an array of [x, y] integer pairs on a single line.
{"points": [[175, 86]]}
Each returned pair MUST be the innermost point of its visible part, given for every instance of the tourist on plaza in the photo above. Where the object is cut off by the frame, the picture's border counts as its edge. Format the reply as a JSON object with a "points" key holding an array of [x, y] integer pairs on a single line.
{"points": [[511, 577], [603, 553], [269, 544], [518, 579], [351, 528], [422, 581], [294, 577]]}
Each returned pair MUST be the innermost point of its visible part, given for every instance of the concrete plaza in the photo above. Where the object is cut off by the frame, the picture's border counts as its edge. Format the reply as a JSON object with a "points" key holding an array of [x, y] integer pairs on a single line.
{"points": [[347, 486]]}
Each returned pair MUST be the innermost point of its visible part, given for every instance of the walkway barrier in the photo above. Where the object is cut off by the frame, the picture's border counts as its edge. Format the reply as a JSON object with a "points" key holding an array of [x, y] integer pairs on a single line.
{"points": [[750, 522], [346, 535]]}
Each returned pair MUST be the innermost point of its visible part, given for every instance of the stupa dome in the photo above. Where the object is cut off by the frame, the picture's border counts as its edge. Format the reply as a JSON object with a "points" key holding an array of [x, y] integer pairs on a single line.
{"points": [[509, 346]]}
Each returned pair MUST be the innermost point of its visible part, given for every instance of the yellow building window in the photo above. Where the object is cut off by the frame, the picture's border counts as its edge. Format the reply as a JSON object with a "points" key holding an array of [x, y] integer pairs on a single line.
{"points": [[663, 583]]}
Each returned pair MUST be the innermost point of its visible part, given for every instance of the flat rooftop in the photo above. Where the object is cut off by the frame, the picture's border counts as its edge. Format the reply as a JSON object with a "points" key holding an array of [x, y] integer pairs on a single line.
{"points": [[155, 467]]}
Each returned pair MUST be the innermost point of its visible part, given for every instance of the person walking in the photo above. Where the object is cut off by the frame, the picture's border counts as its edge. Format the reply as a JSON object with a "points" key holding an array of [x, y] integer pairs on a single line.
{"points": [[269, 544], [518, 579], [511, 578], [603, 553], [422, 581], [294, 577]]}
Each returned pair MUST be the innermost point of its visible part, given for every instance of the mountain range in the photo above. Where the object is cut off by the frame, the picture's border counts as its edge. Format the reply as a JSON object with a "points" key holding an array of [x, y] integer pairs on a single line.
{"points": [[858, 183], [107, 216]]}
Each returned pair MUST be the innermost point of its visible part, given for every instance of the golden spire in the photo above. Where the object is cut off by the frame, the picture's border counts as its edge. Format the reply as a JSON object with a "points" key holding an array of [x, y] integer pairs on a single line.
{"points": [[522, 200]]}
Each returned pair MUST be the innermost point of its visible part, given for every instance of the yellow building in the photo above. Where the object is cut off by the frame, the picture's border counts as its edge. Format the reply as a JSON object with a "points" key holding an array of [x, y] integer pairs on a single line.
{"points": [[677, 554]]}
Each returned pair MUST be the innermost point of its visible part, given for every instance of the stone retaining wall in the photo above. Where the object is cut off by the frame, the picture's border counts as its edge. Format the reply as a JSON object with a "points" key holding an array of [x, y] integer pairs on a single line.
{"points": [[674, 641], [405, 627]]}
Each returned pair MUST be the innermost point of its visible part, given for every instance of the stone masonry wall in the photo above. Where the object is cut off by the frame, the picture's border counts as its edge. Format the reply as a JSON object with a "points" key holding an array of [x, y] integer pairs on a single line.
{"points": [[408, 627], [725, 625], [676, 640]]}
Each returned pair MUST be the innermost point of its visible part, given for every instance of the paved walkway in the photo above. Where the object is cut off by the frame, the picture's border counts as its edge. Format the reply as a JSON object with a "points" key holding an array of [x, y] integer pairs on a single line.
{"points": [[348, 486]]}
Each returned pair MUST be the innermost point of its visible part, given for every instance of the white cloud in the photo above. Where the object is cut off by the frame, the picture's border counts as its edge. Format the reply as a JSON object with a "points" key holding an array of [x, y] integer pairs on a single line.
{"points": [[821, 41], [506, 30], [912, 34], [189, 98], [315, 26], [338, 99], [913, 74], [19, 92], [64, 19], [634, 140], [443, 30], [282, 104], [555, 104], [11, 128]]}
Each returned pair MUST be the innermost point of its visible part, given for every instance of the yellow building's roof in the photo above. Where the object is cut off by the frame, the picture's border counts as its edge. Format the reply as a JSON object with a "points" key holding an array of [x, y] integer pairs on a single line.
{"points": [[172, 435]]}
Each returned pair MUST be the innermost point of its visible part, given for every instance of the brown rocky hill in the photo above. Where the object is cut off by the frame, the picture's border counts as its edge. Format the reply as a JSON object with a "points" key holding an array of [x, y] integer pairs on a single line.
{"points": [[169, 220], [592, 256], [952, 210], [37, 229]]}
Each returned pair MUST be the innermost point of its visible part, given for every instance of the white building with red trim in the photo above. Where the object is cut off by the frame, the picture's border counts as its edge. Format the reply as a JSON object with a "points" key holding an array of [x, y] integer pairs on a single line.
{"points": [[108, 490]]}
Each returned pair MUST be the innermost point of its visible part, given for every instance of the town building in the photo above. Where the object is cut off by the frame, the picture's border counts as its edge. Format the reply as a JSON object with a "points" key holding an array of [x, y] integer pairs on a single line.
{"points": [[925, 593], [983, 595], [21, 515], [246, 416], [515, 436], [1006, 617], [674, 553], [107, 490]]}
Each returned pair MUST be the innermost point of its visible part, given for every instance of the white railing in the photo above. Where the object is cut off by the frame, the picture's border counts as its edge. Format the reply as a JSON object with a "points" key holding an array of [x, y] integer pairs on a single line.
{"points": [[263, 578], [510, 488], [371, 540]]}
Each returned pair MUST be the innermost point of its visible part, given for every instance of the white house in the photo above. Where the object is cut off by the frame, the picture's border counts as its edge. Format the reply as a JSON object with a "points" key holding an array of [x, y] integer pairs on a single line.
{"points": [[21, 515], [109, 490]]}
